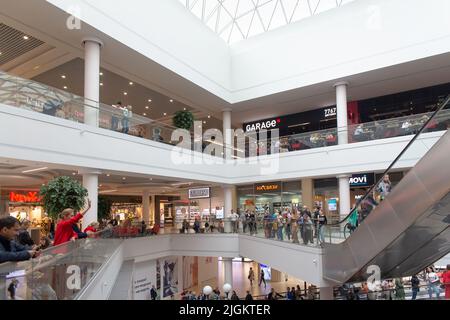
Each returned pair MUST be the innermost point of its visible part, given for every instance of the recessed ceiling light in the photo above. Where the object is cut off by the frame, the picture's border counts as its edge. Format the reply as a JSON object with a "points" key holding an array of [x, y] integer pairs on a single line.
{"points": [[123, 178], [130, 83], [26, 37], [101, 73], [101, 83], [147, 107], [184, 109], [149, 100], [209, 117], [170, 100], [204, 122], [144, 114], [65, 87], [1, 53], [108, 175], [63, 76], [125, 93], [165, 113], [74, 173], [101, 185]]}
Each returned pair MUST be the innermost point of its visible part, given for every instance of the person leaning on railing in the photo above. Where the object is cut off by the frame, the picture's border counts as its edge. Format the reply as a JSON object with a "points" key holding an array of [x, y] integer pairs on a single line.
{"points": [[9, 249], [64, 230]]}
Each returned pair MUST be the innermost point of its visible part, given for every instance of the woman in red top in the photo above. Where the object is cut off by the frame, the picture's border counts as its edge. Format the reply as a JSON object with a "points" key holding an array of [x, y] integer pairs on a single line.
{"points": [[446, 282], [92, 228], [64, 231]]}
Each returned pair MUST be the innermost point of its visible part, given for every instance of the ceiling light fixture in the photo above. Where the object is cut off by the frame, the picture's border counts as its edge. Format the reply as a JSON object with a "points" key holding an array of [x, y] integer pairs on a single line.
{"points": [[26, 37], [130, 83], [34, 170], [101, 73], [184, 109], [149, 100], [147, 107], [165, 114], [123, 178], [101, 83], [125, 93], [144, 114], [74, 173], [63, 76], [108, 175], [65, 87], [170, 100], [204, 122], [209, 117]]}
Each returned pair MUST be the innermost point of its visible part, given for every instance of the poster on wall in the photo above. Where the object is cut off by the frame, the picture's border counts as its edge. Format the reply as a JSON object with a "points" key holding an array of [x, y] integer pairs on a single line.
{"points": [[332, 204], [190, 272], [219, 213], [144, 276], [170, 276], [267, 271], [158, 275]]}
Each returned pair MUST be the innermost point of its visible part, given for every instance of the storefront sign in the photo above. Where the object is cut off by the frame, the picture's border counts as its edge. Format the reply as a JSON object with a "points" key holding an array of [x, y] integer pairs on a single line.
{"points": [[267, 187], [199, 193], [30, 197], [262, 125], [329, 112], [362, 180]]}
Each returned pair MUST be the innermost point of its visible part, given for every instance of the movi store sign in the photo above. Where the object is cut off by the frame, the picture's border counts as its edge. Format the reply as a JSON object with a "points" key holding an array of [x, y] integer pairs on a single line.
{"points": [[361, 180]]}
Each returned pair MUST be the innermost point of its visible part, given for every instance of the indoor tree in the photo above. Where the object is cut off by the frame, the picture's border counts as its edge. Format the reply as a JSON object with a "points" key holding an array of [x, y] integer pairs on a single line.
{"points": [[61, 193]]}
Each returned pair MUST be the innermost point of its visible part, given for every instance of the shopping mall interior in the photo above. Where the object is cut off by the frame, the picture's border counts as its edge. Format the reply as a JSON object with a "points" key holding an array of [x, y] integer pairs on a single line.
{"points": [[215, 156]]}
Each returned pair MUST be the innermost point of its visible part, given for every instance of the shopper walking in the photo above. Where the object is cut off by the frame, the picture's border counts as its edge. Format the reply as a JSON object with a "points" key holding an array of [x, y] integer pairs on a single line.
{"points": [[288, 226], [399, 289], [249, 296], [308, 230], [446, 282], [251, 276], [64, 229], [433, 283], [262, 279], [384, 187], [12, 289], [321, 222], [127, 115], [415, 286]]}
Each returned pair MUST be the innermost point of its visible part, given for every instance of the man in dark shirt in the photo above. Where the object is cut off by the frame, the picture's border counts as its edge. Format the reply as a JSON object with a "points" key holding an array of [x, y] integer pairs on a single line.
{"points": [[9, 249]]}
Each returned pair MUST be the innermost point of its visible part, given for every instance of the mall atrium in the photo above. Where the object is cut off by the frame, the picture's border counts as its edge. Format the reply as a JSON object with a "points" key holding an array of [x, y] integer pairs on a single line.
{"points": [[224, 150]]}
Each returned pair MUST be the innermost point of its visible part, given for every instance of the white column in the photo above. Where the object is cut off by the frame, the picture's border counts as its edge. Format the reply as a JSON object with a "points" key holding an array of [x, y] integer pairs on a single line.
{"points": [[228, 205], [326, 293], [146, 206], [228, 271], [92, 48], [90, 182], [226, 115], [152, 208], [344, 195], [341, 111]]}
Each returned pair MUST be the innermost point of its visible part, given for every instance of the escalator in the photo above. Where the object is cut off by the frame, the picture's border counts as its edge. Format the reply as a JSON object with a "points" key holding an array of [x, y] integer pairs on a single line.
{"points": [[406, 232]]}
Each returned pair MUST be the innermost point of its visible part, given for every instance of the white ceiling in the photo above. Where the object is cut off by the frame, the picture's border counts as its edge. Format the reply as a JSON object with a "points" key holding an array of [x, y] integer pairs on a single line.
{"points": [[129, 64]]}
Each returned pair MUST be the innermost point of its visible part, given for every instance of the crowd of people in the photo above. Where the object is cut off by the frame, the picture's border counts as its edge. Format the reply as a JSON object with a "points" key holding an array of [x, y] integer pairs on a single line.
{"points": [[430, 280]]}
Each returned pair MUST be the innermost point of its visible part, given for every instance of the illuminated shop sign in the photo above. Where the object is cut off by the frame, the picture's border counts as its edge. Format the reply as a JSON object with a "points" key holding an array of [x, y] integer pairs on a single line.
{"points": [[262, 125], [268, 187], [199, 193], [362, 180], [30, 197], [329, 112]]}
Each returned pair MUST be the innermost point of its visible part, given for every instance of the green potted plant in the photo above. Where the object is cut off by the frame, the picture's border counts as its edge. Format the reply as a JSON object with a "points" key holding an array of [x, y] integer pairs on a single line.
{"points": [[183, 119], [62, 193]]}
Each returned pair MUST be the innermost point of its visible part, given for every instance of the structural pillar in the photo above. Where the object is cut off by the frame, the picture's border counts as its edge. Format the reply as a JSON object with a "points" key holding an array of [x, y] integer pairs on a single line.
{"points": [[227, 136], [146, 206], [341, 111], [228, 206], [344, 195], [4, 204], [92, 48], [308, 192], [152, 209], [90, 182], [228, 270], [326, 293]]}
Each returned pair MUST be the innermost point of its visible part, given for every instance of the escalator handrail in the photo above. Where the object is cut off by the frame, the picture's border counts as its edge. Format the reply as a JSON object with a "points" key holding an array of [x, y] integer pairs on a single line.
{"points": [[425, 125]]}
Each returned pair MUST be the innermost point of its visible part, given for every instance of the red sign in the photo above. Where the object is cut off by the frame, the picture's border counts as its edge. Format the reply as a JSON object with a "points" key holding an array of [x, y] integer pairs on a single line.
{"points": [[30, 197]]}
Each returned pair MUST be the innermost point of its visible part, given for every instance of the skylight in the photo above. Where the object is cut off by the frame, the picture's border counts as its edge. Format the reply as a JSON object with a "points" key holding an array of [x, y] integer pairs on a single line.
{"points": [[235, 20]]}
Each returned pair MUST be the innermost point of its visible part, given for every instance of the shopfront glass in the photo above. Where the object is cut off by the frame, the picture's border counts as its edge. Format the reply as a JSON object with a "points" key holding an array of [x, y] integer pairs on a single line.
{"points": [[274, 196], [326, 195]]}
